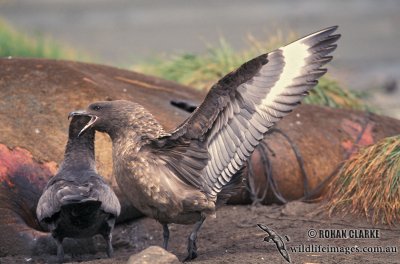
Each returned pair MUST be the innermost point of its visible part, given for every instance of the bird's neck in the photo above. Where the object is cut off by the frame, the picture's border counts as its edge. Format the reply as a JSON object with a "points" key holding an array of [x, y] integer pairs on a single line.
{"points": [[135, 132], [79, 152]]}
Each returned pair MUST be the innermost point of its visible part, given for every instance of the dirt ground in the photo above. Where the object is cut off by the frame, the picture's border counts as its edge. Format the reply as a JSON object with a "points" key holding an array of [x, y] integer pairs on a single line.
{"points": [[233, 237]]}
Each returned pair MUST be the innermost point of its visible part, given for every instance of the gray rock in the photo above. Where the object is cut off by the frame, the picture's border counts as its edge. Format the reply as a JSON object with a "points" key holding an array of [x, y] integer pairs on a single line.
{"points": [[153, 255]]}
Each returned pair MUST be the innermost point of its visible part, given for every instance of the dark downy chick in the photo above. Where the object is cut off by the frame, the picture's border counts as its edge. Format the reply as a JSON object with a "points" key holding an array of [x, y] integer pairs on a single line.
{"points": [[77, 202], [179, 177]]}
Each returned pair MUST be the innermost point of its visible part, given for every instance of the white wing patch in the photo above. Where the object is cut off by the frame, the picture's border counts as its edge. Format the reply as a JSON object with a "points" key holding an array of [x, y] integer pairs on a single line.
{"points": [[295, 55], [262, 101]]}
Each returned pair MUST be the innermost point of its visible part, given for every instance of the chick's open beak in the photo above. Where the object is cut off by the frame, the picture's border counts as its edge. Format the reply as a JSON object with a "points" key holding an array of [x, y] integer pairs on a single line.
{"points": [[93, 119]]}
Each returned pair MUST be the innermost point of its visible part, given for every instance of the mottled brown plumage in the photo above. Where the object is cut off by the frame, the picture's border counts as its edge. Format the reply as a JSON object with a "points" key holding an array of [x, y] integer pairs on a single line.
{"points": [[177, 177]]}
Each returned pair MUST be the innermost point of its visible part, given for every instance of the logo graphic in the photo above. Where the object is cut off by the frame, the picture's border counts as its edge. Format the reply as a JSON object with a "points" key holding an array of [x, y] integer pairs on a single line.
{"points": [[277, 239]]}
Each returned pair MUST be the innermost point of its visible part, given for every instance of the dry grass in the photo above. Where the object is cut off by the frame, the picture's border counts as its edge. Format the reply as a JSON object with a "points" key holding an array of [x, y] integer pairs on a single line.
{"points": [[369, 183]]}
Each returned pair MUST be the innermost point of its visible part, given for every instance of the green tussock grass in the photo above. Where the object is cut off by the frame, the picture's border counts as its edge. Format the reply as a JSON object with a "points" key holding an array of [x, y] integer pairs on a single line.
{"points": [[328, 92], [369, 183], [201, 71], [16, 44]]}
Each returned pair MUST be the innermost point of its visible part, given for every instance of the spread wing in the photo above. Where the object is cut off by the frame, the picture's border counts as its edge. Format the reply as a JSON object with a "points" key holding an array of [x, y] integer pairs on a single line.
{"points": [[215, 141], [60, 191]]}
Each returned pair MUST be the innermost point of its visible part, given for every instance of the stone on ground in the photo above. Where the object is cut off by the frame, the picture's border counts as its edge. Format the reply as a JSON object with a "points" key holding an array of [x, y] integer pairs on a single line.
{"points": [[153, 255]]}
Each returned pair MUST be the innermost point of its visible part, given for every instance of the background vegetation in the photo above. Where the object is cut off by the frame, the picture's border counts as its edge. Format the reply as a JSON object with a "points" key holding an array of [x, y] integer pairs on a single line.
{"points": [[16, 44]]}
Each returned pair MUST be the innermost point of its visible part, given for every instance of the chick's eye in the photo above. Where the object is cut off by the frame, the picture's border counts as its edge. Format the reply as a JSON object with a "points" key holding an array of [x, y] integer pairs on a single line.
{"points": [[96, 108]]}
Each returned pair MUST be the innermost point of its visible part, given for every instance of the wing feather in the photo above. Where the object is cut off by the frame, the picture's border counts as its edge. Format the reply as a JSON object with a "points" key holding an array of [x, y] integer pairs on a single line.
{"points": [[242, 106], [61, 191]]}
